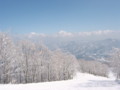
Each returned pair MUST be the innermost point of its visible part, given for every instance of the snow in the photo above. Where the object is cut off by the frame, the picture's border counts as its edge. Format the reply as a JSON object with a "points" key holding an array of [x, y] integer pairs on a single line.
{"points": [[81, 81]]}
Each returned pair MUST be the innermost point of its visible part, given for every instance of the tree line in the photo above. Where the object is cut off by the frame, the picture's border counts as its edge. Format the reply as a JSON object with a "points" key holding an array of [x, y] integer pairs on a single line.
{"points": [[25, 61]]}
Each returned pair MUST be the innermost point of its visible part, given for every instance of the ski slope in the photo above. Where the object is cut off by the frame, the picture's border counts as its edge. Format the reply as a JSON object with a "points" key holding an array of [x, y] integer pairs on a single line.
{"points": [[80, 82]]}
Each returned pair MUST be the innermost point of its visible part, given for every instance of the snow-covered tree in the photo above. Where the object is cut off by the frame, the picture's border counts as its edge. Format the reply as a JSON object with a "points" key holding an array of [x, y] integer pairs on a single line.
{"points": [[65, 65], [115, 62], [28, 60], [94, 67], [7, 59]]}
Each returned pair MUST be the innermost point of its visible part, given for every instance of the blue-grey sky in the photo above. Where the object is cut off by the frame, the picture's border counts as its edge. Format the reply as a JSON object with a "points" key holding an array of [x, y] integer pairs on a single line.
{"points": [[51, 16]]}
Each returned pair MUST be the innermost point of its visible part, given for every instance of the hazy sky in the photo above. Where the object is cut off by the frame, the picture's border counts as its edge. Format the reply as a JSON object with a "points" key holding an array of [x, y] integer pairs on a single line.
{"points": [[51, 16]]}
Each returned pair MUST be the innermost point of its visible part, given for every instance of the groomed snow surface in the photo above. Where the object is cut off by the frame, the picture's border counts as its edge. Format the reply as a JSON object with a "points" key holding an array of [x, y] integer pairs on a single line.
{"points": [[81, 81]]}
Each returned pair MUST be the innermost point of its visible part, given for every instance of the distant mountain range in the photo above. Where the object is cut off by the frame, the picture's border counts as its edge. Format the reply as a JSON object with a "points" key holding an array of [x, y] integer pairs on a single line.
{"points": [[91, 50], [95, 45]]}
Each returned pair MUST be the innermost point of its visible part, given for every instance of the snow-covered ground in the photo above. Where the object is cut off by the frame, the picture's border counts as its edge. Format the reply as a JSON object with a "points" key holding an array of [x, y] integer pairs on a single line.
{"points": [[80, 82]]}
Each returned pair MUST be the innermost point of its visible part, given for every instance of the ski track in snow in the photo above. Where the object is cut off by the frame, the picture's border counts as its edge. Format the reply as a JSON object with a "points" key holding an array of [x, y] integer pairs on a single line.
{"points": [[80, 82]]}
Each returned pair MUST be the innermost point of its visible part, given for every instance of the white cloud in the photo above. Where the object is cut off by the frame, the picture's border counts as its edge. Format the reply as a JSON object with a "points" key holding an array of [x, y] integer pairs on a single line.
{"points": [[65, 34], [34, 34], [100, 32]]}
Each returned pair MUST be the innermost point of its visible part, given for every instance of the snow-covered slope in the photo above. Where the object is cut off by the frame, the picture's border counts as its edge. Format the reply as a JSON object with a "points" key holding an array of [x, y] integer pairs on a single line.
{"points": [[80, 82]]}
